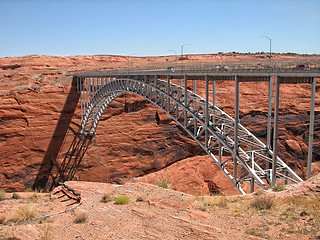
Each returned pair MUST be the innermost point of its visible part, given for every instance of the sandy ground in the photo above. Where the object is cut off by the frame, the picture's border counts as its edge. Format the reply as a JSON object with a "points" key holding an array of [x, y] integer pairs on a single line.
{"points": [[157, 213]]}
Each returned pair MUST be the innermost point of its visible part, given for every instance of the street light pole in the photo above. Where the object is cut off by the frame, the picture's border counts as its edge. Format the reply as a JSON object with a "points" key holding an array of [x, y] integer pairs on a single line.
{"points": [[182, 54], [269, 48]]}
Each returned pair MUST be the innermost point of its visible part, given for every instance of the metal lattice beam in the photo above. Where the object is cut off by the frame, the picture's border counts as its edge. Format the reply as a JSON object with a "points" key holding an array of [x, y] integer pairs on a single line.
{"points": [[239, 154]]}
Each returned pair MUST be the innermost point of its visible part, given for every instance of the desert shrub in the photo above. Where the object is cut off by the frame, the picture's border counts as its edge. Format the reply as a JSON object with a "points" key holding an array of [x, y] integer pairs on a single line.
{"points": [[45, 232], [2, 219], [33, 198], [107, 197], [15, 196], [279, 188], [164, 183], [38, 190], [258, 232], [259, 192], [218, 201], [122, 200], [141, 199], [24, 212], [80, 217], [262, 202], [2, 195]]}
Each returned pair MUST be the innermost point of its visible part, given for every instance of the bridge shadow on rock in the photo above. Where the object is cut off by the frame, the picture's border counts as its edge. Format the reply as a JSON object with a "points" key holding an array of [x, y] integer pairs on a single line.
{"points": [[72, 159], [45, 177]]}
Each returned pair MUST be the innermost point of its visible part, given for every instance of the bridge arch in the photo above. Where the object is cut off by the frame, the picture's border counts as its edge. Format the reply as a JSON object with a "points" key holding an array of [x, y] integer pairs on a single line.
{"points": [[243, 158]]}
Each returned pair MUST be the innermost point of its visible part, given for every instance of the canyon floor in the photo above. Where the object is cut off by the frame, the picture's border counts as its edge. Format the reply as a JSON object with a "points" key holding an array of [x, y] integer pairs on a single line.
{"points": [[158, 213]]}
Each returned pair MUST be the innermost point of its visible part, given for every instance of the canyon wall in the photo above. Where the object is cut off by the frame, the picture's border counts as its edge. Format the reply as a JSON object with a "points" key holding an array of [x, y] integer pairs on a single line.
{"points": [[129, 141]]}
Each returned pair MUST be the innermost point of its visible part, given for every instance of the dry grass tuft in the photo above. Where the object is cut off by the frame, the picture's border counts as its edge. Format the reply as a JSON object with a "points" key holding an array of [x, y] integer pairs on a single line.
{"points": [[8, 234], [45, 232], [259, 192], [279, 188], [141, 199], [33, 198], [262, 202], [24, 212], [80, 217], [2, 195], [107, 197], [2, 219], [164, 183], [255, 231], [213, 202]]}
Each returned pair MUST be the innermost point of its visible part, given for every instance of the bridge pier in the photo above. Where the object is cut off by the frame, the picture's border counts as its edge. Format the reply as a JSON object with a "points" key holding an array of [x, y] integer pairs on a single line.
{"points": [[275, 132], [236, 128], [269, 126], [206, 112], [311, 127], [185, 99]]}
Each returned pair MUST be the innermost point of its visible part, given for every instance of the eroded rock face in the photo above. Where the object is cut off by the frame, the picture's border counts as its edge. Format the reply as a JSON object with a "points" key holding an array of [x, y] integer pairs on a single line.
{"points": [[196, 175], [129, 142]]}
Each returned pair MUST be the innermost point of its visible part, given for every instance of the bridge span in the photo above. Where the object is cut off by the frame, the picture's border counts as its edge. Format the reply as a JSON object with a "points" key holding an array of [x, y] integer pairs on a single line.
{"points": [[239, 154]]}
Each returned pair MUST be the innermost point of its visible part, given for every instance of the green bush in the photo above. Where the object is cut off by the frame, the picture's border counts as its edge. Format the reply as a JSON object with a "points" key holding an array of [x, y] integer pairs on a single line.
{"points": [[122, 200]]}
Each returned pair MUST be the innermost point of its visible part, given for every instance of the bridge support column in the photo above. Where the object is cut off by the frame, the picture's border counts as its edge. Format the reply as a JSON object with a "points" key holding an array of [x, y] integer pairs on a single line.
{"points": [[236, 129], [269, 114], [206, 111], [195, 92], [214, 101], [311, 127], [214, 92], [275, 132], [87, 93], [269, 129], [80, 80], [185, 100], [155, 85], [168, 92]]}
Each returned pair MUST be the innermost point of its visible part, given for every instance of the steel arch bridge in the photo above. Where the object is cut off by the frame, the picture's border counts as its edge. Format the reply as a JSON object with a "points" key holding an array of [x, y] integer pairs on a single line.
{"points": [[239, 154]]}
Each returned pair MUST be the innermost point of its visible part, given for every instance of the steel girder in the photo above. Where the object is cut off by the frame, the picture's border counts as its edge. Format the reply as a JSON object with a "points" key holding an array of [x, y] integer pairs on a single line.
{"points": [[239, 154]]}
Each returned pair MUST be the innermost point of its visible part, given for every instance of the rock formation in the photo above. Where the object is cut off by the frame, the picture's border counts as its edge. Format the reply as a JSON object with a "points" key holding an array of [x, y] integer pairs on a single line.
{"points": [[130, 142]]}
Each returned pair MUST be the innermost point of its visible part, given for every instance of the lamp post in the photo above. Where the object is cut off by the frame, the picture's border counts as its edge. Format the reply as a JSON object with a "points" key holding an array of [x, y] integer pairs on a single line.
{"points": [[175, 58], [269, 48], [182, 54]]}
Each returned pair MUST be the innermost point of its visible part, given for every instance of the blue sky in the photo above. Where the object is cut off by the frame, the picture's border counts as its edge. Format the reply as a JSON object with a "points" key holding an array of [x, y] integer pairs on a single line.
{"points": [[152, 27]]}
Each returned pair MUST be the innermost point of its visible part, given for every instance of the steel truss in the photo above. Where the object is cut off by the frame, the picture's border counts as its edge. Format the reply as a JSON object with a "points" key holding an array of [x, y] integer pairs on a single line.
{"points": [[240, 155]]}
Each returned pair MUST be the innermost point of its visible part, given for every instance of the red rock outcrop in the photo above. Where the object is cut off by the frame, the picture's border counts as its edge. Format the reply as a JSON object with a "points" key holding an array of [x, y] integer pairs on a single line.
{"points": [[196, 175], [310, 189], [129, 142]]}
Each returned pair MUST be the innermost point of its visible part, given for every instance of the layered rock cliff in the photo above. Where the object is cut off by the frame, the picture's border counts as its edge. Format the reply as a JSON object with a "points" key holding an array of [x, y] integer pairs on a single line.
{"points": [[129, 141]]}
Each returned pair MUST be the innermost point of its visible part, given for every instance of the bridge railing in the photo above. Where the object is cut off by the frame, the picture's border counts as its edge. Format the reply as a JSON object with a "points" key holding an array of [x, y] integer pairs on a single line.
{"points": [[213, 68]]}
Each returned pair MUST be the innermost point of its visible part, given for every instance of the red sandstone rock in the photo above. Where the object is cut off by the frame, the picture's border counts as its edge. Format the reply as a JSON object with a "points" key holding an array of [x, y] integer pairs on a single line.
{"points": [[33, 91], [196, 175], [310, 189]]}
